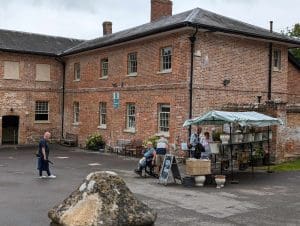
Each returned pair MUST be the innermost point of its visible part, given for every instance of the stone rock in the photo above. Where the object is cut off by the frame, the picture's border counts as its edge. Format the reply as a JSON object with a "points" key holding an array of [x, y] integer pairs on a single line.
{"points": [[102, 199]]}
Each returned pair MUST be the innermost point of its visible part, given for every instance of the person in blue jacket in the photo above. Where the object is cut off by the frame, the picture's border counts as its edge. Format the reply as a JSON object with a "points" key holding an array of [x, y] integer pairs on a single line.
{"points": [[148, 157]]}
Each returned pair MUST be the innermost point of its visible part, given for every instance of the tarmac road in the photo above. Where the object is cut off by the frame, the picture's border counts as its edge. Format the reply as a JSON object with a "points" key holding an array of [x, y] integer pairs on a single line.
{"points": [[265, 199]]}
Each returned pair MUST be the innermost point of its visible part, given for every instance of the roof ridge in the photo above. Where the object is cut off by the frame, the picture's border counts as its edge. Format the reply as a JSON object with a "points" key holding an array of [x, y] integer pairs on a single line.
{"points": [[193, 13], [39, 34]]}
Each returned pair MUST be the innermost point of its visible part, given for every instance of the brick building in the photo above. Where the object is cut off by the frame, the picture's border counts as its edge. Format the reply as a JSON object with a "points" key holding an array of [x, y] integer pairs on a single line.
{"points": [[137, 82]]}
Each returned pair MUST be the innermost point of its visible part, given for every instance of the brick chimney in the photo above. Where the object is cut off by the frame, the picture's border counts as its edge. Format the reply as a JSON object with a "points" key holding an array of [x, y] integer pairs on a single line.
{"points": [[107, 28], [160, 8]]}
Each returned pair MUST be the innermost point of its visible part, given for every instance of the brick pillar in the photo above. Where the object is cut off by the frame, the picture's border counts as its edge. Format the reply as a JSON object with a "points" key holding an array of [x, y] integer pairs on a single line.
{"points": [[107, 28], [160, 8]]}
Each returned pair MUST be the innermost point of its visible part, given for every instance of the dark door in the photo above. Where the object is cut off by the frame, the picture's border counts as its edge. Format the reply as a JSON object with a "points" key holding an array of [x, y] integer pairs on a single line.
{"points": [[10, 129]]}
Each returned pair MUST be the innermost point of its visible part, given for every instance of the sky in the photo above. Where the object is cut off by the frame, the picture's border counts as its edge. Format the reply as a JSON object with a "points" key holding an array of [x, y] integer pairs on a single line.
{"points": [[83, 19]]}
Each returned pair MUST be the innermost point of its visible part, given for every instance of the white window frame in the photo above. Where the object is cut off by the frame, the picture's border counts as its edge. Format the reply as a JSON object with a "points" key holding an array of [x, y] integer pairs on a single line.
{"points": [[104, 67], [77, 71], [102, 115], [164, 118], [276, 60], [41, 108], [166, 59], [132, 63], [130, 116], [76, 110]]}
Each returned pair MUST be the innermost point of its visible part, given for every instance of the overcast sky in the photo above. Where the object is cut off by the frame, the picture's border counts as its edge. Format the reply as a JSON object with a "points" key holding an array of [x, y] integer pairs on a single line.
{"points": [[83, 18]]}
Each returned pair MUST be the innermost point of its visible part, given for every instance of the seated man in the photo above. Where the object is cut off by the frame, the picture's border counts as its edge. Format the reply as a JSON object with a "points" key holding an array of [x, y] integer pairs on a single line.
{"points": [[148, 157]]}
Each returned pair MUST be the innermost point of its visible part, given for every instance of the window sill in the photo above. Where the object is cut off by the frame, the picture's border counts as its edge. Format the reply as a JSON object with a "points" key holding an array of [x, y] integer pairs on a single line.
{"points": [[42, 122], [76, 80], [11, 78], [42, 80], [276, 70], [166, 134], [103, 78], [129, 130], [102, 127], [132, 75], [76, 123], [165, 72]]}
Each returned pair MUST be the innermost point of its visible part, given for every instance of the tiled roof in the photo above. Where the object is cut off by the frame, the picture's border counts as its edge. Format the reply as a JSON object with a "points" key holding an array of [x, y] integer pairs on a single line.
{"points": [[194, 18], [24, 42]]}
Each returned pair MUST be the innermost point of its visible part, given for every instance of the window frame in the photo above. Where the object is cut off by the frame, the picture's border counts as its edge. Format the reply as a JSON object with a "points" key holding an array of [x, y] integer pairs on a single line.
{"points": [[166, 120], [276, 59], [102, 115], [77, 71], [40, 111], [76, 111], [132, 63], [130, 117], [104, 68], [165, 60]]}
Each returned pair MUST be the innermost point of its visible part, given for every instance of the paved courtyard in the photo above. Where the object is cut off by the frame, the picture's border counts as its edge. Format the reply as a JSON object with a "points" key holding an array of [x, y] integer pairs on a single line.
{"points": [[265, 199]]}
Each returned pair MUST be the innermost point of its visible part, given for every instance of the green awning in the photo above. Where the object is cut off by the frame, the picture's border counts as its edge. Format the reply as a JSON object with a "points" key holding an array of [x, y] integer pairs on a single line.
{"points": [[250, 118]]}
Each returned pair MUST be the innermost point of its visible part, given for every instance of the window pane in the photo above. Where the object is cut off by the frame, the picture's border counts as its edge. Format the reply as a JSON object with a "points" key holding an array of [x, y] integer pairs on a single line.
{"points": [[102, 112], [41, 111], [76, 112], [166, 58], [77, 71], [164, 118], [132, 63], [130, 116], [104, 67]]}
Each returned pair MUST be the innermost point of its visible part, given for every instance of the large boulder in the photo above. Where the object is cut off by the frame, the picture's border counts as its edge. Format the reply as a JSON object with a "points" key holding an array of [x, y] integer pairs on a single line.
{"points": [[102, 199]]}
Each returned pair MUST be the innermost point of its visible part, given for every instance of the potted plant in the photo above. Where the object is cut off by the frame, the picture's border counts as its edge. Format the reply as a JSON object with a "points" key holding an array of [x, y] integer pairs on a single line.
{"points": [[257, 158], [95, 142]]}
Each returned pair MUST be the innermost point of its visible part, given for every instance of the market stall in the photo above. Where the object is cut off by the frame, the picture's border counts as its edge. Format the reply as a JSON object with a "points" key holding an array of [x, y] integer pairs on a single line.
{"points": [[233, 138]]}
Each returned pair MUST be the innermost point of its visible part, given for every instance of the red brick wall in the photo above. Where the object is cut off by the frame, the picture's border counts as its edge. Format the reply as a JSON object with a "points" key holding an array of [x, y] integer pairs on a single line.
{"points": [[244, 62], [293, 84], [21, 95], [160, 8]]}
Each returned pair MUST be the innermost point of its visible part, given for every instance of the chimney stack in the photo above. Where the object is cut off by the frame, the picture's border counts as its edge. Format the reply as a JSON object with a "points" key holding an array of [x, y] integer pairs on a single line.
{"points": [[271, 26], [107, 28], [160, 8]]}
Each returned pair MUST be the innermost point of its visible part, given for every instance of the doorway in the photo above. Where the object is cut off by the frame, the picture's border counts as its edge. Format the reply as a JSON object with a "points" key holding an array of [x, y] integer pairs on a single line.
{"points": [[10, 129]]}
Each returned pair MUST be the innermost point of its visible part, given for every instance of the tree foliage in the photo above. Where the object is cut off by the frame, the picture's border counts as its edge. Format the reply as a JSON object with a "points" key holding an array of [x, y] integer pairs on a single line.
{"points": [[295, 33]]}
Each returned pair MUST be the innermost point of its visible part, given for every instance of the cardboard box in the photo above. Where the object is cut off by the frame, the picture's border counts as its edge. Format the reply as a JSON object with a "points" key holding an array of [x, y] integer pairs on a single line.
{"points": [[198, 167]]}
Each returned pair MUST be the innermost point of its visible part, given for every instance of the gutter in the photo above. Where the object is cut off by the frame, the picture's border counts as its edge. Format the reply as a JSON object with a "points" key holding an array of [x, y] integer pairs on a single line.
{"points": [[270, 65], [192, 40], [63, 95], [29, 52]]}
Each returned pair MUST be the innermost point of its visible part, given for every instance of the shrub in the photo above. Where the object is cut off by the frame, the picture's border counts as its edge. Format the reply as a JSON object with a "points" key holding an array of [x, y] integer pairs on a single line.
{"points": [[95, 142], [153, 140]]}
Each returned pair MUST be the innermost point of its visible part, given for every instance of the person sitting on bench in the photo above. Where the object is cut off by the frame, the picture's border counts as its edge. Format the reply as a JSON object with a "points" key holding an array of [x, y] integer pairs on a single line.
{"points": [[147, 159]]}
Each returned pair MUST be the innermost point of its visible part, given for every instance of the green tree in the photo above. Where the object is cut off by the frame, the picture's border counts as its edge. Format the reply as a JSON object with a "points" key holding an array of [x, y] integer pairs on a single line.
{"points": [[295, 33]]}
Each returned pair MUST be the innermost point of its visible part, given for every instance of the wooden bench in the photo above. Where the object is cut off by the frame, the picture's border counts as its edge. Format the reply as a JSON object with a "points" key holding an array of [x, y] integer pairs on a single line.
{"points": [[134, 148], [70, 140]]}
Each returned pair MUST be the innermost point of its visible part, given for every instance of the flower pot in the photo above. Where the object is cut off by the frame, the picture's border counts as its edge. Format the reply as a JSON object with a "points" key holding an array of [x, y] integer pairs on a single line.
{"points": [[199, 181], [220, 180], [214, 148], [224, 138]]}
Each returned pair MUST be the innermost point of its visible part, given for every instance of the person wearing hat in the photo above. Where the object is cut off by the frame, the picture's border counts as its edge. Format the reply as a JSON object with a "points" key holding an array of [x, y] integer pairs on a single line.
{"points": [[161, 150], [149, 155]]}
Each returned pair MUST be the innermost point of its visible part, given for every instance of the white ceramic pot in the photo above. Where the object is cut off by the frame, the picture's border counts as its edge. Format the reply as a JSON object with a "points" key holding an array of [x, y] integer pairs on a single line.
{"points": [[258, 137], [224, 138], [199, 181], [214, 148], [220, 180]]}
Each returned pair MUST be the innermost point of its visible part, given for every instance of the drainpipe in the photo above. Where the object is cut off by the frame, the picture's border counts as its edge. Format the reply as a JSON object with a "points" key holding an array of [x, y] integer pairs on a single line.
{"points": [[63, 95], [192, 40], [270, 65]]}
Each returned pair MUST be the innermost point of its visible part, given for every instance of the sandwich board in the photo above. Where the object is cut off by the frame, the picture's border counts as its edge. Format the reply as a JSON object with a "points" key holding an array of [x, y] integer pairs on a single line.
{"points": [[169, 165]]}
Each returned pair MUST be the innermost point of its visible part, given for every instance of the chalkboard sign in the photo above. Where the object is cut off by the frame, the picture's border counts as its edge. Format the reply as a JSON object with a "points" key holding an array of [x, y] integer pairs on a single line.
{"points": [[169, 165]]}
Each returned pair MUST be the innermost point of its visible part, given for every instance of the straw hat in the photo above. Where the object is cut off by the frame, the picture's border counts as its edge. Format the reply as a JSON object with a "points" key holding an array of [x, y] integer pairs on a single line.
{"points": [[149, 142]]}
